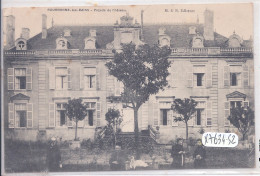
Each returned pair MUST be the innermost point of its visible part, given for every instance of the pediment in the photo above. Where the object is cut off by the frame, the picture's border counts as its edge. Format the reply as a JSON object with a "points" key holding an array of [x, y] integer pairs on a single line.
{"points": [[236, 94], [20, 96]]}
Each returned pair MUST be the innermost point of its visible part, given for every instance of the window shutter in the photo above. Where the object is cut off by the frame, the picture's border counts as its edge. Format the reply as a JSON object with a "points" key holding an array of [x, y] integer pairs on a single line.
{"points": [[17, 119], [97, 79], [190, 77], [227, 113], [10, 115], [208, 115], [82, 80], [209, 76], [95, 118], [155, 114], [10, 74], [29, 115], [246, 104], [52, 78], [226, 76], [69, 122], [161, 117], [98, 114], [245, 76], [174, 115], [69, 78], [29, 78], [191, 121], [169, 117], [51, 115]]}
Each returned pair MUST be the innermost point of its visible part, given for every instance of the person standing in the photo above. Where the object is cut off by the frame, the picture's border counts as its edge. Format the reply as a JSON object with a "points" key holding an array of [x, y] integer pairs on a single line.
{"points": [[177, 154], [199, 155], [53, 159]]}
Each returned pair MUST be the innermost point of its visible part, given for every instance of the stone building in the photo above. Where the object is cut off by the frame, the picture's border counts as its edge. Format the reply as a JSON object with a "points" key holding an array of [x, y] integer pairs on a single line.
{"points": [[64, 62]]}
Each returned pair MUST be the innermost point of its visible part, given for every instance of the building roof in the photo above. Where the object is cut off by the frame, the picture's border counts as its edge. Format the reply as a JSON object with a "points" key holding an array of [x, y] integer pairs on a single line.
{"points": [[179, 34]]}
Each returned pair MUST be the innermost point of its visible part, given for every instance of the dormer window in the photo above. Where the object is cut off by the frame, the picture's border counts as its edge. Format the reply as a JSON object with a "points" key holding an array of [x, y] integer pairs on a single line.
{"points": [[21, 44], [197, 41], [234, 41], [90, 41], [61, 43], [164, 39]]}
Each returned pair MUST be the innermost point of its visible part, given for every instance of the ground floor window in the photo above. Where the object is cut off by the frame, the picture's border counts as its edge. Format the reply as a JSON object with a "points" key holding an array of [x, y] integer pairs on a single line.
{"points": [[164, 117], [198, 116], [90, 117], [61, 118], [91, 113], [21, 119]]}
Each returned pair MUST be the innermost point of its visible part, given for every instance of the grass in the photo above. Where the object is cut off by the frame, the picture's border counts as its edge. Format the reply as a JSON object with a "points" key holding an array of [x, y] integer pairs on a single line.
{"points": [[30, 157]]}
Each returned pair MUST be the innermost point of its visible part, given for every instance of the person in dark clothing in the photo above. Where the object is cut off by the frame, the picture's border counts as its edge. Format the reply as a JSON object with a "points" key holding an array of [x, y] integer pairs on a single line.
{"points": [[177, 154], [199, 156], [53, 159], [117, 159]]}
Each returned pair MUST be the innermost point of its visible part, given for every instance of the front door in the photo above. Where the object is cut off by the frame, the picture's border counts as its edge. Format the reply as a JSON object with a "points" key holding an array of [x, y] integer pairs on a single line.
{"points": [[127, 124]]}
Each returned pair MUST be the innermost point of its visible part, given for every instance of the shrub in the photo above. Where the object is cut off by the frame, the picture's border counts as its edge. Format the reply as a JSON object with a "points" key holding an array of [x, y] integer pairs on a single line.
{"points": [[87, 144]]}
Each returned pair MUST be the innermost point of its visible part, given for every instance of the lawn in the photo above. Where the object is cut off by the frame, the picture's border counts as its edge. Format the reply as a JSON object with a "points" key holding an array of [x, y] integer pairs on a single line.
{"points": [[24, 157]]}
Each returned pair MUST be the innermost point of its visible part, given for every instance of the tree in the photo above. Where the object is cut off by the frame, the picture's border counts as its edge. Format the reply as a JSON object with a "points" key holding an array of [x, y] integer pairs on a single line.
{"points": [[242, 118], [143, 71], [114, 120], [185, 108], [76, 111]]}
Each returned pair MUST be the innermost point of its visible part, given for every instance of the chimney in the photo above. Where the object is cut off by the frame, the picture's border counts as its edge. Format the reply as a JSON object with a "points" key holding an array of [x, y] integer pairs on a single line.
{"points": [[208, 25], [44, 26], [25, 33], [142, 24], [10, 31]]}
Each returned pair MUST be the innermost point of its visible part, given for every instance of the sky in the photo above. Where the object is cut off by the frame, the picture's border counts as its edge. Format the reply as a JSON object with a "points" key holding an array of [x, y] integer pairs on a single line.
{"points": [[227, 17]]}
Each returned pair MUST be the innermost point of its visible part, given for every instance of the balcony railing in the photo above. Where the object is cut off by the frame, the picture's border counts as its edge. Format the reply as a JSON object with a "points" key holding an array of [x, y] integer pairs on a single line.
{"points": [[209, 51]]}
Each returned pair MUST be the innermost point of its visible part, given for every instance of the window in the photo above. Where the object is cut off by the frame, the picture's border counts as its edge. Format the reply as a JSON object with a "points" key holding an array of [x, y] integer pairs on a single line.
{"points": [[61, 118], [90, 78], [91, 113], [165, 117], [20, 112], [200, 79], [20, 78], [61, 78], [21, 45], [198, 116], [234, 104], [235, 75], [234, 79]]}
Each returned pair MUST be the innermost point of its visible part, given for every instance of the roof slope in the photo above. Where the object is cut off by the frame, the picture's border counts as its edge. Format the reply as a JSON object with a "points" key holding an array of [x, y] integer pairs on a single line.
{"points": [[179, 34]]}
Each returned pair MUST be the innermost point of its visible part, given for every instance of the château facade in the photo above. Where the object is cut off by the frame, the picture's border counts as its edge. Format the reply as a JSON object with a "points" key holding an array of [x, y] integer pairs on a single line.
{"points": [[64, 62]]}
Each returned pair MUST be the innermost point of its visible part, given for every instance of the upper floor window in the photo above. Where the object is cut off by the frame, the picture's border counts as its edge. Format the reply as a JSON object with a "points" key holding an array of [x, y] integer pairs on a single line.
{"points": [[89, 78], [19, 78], [199, 79], [61, 78]]}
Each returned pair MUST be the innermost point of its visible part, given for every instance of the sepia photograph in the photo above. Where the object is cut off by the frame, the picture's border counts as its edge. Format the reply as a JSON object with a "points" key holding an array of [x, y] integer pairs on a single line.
{"points": [[128, 88]]}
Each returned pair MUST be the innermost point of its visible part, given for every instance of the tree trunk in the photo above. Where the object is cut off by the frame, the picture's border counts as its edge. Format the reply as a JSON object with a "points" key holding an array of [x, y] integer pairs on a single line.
{"points": [[244, 136], [76, 130], [136, 131], [187, 131]]}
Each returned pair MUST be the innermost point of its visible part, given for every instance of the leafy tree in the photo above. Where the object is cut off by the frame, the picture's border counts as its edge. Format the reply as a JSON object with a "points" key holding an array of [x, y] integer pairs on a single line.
{"points": [[76, 111], [185, 108], [242, 118], [114, 120], [143, 71]]}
